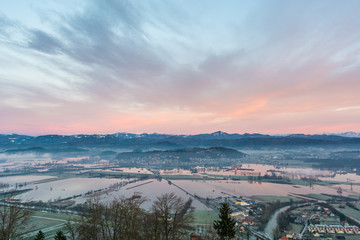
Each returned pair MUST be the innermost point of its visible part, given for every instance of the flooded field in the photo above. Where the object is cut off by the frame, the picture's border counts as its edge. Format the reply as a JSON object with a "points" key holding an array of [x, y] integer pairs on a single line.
{"points": [[224, 188], [10, 161], [262, 169], [59, 189], [50, 189], [343, 177], [65, 188], [21, 179], [151, 189]]}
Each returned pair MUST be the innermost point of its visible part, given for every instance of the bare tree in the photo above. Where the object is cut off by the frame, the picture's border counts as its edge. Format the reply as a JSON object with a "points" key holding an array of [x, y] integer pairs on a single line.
{"points": [[12, 220], [72, 229], [170, 218], [123, 218], [91, 221], [120, 219]]}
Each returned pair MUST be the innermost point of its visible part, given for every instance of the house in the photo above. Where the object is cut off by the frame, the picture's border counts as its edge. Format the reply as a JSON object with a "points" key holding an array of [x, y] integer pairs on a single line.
{"points": [[289, 236], [327, 211], [330, 229], [321, 228], [339, 229], [194, 236], [242, 203], [247, 221], [312, 228], [244, 213], [349, 230], [356, 230]]}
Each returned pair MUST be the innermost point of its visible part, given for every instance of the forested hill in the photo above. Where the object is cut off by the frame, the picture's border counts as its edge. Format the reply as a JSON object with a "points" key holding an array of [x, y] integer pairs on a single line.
{"points": [[181, 157], [186, 154]]}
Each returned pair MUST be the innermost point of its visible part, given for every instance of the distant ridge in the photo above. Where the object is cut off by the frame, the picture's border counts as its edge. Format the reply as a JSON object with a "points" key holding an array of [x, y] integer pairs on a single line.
{"points": [[347, 134], [218, 134], [215, 139]]}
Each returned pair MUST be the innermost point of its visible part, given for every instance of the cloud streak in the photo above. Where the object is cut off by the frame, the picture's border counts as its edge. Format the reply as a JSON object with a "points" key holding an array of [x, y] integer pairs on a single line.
{"points": [[142, 66]]}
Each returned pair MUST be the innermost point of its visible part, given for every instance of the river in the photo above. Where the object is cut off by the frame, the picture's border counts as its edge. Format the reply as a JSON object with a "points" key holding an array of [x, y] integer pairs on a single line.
{"points": [[272, 223]]}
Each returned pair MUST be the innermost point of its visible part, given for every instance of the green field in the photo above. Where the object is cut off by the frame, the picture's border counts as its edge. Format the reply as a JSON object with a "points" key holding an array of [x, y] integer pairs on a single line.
{"points": [[48, 223], [54, 215], [355, 197], [319, 196], [297, 228], [188, 177], [204, 217], [269, 199], [348, 211], [103, 174], [352, 237], [329, 220]]}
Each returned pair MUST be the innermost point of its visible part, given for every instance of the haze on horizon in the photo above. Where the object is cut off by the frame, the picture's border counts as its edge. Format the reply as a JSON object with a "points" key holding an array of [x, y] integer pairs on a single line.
{"points": [[186, 67]]}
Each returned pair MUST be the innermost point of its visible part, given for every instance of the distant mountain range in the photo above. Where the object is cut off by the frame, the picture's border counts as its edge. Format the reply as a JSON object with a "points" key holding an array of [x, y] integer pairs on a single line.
{"points": [[347, 134], [218, 139], [225, 135]]}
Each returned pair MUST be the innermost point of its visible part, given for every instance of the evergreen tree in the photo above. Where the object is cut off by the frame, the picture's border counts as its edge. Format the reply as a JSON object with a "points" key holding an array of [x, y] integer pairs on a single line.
{"points": [[40, 236], [225, 227], [60, 235]]}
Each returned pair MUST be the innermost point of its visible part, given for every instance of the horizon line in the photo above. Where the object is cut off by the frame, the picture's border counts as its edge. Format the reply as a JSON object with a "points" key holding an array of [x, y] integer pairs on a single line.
{"points": [[194, 134]]}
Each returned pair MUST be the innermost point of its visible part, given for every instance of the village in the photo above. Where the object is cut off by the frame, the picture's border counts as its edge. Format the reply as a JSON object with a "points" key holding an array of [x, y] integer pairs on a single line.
{"points": [[307, 220]]}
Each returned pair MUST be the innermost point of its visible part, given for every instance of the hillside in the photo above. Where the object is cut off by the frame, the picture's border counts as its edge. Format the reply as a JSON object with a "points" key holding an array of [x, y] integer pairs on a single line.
{"points": [[181, 157]]}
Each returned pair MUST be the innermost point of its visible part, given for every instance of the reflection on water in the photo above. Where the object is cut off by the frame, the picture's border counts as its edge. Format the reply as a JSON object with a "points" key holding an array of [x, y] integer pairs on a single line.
{"points": [[290, 172], [343, 177], [66, 188], [151, 190], [262, 169], [243, 188], [23, 179]]}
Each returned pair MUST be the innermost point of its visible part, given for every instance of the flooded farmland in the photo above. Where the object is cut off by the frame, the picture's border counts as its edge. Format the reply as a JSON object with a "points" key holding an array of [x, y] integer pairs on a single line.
{"points": [[47, 188]]}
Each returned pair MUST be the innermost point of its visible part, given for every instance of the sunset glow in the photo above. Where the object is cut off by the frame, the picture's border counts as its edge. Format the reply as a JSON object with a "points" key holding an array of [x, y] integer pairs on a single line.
{"points": [[180, 67]]}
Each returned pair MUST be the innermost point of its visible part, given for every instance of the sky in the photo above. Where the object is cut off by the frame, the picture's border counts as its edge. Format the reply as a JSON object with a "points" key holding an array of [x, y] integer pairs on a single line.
{"points": [[179, 66]]}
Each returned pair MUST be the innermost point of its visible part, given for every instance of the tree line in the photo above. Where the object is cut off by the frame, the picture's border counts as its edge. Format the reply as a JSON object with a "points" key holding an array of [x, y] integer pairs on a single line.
{"points": [[123, 218], [169, 218]]}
